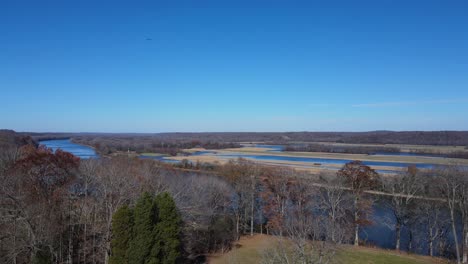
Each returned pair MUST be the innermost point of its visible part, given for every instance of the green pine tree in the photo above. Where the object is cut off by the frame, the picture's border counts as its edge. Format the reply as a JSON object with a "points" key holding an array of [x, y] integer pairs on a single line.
{"points": [[145, 218], [167, 246], [122, 223]]}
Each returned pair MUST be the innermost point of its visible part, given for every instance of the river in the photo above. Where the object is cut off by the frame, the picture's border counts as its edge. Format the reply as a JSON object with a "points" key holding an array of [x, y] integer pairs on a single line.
{"points": [[84, 152]]}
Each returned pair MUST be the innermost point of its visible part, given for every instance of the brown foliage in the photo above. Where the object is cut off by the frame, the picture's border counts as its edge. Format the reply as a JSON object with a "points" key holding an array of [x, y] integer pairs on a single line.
{"points": [[46, 174], [359, 177]]}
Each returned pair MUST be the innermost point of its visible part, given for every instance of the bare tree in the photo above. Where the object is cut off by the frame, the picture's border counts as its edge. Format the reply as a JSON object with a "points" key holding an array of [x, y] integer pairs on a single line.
{"points": [[463, 208], [432, 216], [333, 202], [450, 187], [116, 185], [275, 193], [403, 189], [301, 241]]}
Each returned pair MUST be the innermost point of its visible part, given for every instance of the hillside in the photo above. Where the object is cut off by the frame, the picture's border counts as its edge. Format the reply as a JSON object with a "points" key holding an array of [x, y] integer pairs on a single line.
{"points": [[249, 250], [9, 138]]}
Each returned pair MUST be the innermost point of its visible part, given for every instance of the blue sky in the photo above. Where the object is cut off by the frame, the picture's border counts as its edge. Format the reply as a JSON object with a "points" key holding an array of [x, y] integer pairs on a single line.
{"points": [[163, 66]]}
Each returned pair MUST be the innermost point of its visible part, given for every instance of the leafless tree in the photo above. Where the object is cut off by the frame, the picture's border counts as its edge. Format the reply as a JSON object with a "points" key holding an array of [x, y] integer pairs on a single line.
{"points": [[432, 216], [450, 187], [403, 189], [334, 203], [302, 238], [463, 208]]}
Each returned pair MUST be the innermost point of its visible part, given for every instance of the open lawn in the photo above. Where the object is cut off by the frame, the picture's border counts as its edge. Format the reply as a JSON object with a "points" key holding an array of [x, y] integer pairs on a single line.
{"points": [[249, 250]]}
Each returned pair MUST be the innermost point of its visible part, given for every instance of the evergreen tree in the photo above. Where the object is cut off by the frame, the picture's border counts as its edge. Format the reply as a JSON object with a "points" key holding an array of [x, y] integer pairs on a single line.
{"points": [[122, 223], [167, 246], [145, 218]]}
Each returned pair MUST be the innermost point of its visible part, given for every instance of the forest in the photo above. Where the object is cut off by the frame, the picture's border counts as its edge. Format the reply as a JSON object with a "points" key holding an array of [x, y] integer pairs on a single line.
{"points": [[56, 208], [356, 149], [144, 144]]}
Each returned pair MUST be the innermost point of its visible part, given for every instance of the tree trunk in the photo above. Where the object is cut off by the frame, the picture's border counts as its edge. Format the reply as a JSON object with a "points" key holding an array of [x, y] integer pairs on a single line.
{"points": [[356, 222], [410, 242], [246, 210], [455, 236], [94, 234], [106, 257], [252, 214], [398, 235], [465, 246], [84, 242], [14, 241], [333, 232], [431, 243], [237, 227]]}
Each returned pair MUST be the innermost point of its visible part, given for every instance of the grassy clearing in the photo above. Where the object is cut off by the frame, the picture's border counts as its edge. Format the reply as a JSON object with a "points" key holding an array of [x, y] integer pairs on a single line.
{"points": [[362, 255], [249, 250]]}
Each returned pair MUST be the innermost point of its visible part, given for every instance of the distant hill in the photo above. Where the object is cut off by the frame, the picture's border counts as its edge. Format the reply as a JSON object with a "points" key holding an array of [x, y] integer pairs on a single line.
{"points": [[9, 138]]}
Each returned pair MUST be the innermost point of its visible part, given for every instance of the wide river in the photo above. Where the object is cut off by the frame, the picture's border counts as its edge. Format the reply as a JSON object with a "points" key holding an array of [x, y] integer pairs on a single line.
{"points": [[84, 152]]}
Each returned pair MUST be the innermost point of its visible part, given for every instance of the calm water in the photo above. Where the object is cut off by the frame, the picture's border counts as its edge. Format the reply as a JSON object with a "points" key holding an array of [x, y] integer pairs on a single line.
{"points": [[314, 161], [84, 152], [274, 148]]}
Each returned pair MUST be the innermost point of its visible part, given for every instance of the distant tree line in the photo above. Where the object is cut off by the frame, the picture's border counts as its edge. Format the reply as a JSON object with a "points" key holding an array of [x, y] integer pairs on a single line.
{"points": [[447, 138], [113, 144], [369, 150], [459, 154]]}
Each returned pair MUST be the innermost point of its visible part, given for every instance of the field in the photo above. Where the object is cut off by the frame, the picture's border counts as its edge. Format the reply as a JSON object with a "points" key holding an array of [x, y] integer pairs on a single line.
{"points": [[249, 250]]}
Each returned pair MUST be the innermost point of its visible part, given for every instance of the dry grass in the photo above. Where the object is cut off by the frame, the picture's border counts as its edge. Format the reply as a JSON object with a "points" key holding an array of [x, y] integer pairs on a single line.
{"points": [[250, 249], [247, 250]]}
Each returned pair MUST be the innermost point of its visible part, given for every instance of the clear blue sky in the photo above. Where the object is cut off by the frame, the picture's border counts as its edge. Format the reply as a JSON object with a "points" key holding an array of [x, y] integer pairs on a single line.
{"points": [[161, 66]]}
